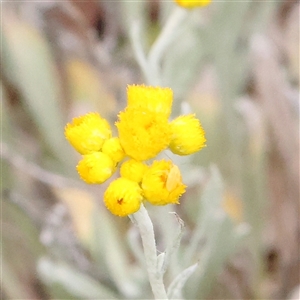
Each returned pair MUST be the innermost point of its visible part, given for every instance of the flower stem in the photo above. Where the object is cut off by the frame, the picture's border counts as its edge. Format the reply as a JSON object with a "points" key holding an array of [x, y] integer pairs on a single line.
{"points": [[144, 223], [135, 36], [164, 39]]}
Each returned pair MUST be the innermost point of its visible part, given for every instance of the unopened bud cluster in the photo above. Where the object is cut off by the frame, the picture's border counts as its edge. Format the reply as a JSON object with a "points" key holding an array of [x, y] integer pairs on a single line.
{"points": [[144, 130]]}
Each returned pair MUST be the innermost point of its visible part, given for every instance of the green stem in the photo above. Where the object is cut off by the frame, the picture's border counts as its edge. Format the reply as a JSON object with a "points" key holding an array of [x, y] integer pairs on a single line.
{"points": [[151, 66], [135, 36], [163, 41], [144, 223]]}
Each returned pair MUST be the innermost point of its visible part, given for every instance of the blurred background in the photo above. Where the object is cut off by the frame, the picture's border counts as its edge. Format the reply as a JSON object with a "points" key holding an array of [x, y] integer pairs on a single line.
{"points": [[234, 64]]}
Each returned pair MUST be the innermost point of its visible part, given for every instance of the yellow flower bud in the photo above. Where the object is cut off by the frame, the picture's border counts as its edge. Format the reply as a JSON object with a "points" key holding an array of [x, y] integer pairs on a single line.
{"points": [[123, 197], [133, 170], [113, 148], [88, 133], [154, 99], [188, 135], [143, 134], [162, 183], [192, 3], [95, 167]]}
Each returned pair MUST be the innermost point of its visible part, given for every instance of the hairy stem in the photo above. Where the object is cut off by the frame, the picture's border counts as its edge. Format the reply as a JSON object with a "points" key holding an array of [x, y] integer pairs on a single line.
{"points": [[144, 223]]}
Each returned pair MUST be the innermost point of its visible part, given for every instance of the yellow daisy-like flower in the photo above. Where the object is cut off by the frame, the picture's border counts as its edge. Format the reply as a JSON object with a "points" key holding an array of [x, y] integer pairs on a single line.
{"points": [[95, 167], [192, 3], [154, 99], [162, 183], [133, 170], [143, 134], [188, 135], [113, 148], [88, 133], [123, 197]]}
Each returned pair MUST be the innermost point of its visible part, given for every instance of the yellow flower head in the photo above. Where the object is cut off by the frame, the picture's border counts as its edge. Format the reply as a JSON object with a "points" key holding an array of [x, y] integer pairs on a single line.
{"points": [[143, 134], [162, 183], [87, 133], [154, 99], [188, 135], [133, 170], [192, 3], [113, 148], [95, 167], [123, 197]]}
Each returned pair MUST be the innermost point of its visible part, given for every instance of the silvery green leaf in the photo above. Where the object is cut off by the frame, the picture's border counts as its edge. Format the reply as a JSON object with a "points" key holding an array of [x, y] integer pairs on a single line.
{"points": [[74, 282], [210, 202], [30, 67], [223, 240], [135, 246], [175, 288], [160, 261], [110, 250], [220, 236], [173, 247]]}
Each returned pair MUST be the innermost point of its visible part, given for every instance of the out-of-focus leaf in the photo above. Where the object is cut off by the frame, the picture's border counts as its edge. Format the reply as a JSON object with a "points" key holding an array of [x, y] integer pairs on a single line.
{"points": [[98, 231], [293, 43], [76, 283], [29, 66], [6, 136], [110, 250], [210, 202], [220, 234], [223, 240], [6, 132], [18, 267], [205, 102], [172, 248], [10, 283], [133, 12], [233, 206], [87, 90], [81, 207], [175, 288], [182, 58]]}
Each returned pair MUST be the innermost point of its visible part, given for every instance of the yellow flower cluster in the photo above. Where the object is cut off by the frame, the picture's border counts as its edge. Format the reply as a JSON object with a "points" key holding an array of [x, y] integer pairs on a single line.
{"points": [[91, 136], [192, 3], [144, 130]]}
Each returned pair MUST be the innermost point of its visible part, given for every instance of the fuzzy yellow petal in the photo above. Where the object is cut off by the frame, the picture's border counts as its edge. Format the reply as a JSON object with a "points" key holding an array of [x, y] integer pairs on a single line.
{"points": [[88, 133], [95, 167], [143, 134], [133, 170], [113, 148], [188, 135], [162, 183], [154, 99], [123, 197], [192, 3]]}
